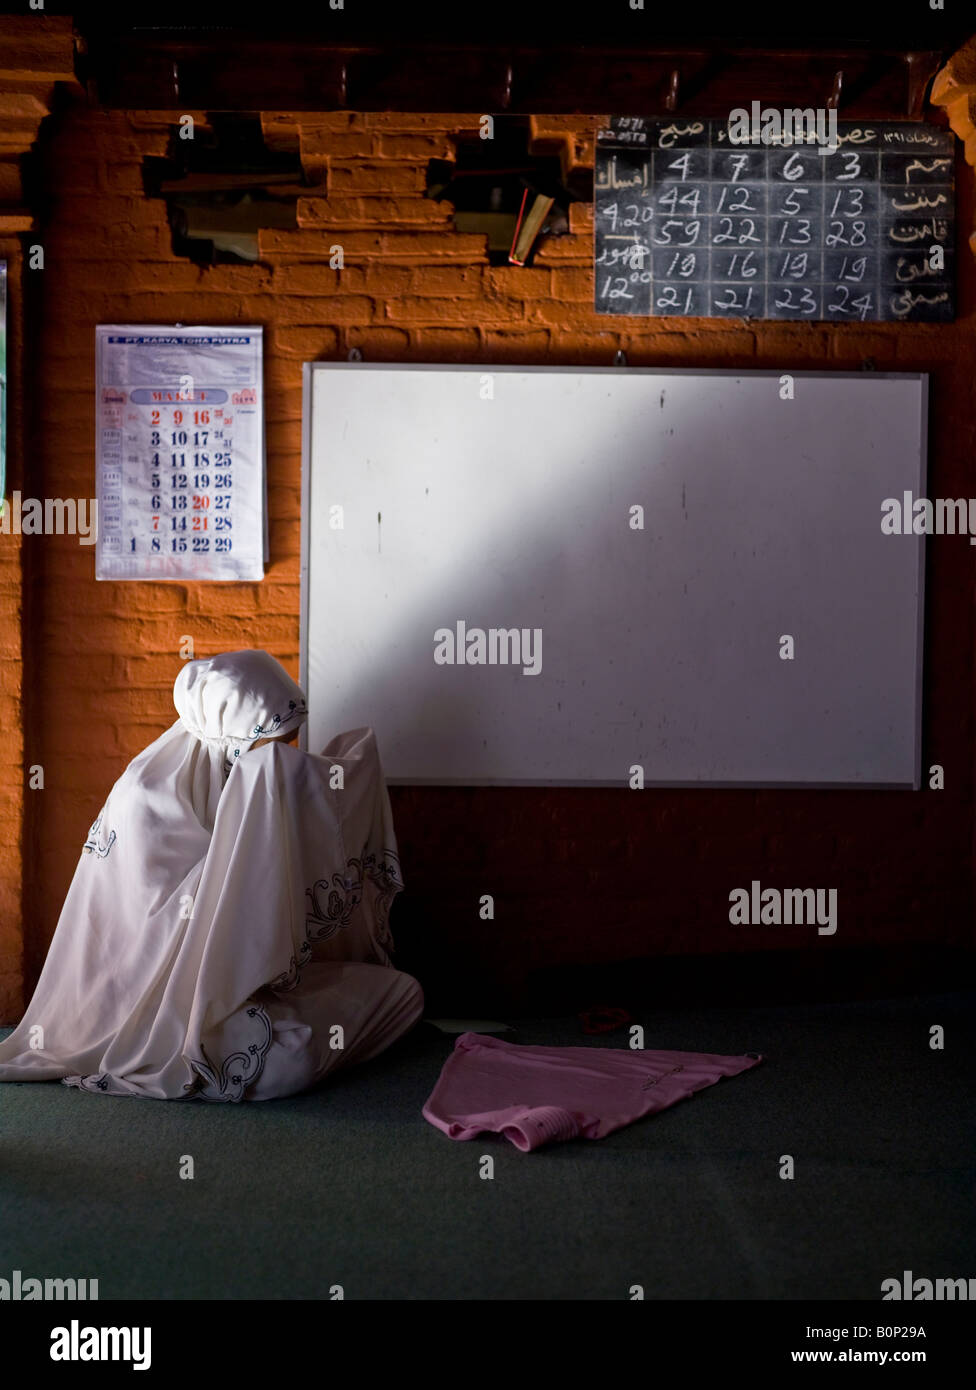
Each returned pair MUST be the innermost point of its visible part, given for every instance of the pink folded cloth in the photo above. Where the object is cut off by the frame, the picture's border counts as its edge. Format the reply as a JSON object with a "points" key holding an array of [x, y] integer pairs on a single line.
{"points": [[539, 1095]]}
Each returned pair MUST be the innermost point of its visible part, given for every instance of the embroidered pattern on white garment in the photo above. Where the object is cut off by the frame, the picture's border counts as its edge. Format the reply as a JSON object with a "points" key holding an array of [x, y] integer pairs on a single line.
{"points": [[225, 1082], [333, 903], [295, 707], [233, 1076], [92, 844]]}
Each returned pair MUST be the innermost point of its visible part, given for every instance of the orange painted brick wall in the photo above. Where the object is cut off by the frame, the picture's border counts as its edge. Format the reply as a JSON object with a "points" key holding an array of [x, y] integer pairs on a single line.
{"points": [[12, 779], [577, 875]]}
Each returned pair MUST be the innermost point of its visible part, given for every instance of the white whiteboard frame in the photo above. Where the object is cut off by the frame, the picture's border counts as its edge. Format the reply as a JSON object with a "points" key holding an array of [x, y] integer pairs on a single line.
{"points": [[922, 378]]}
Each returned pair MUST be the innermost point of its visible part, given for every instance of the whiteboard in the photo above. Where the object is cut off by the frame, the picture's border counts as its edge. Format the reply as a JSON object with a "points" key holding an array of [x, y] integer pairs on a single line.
{"points": [[502, 498]]}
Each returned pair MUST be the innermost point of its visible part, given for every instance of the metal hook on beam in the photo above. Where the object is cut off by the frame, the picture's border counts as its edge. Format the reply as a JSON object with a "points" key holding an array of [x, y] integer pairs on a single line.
{"points": [[671, 100], [506, 100], [921, 70]]}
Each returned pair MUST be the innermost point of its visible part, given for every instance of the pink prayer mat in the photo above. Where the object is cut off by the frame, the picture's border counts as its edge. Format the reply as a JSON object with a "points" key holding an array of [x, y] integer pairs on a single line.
{"points": [[537, 1095]]}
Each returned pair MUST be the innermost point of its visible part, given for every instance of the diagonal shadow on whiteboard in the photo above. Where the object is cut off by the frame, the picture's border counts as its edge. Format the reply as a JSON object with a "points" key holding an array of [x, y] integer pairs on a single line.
{"points": [[661, 644]]}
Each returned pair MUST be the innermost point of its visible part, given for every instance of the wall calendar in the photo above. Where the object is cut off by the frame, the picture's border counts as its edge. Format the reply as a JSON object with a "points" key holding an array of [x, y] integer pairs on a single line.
{"points": [[180, 472]]}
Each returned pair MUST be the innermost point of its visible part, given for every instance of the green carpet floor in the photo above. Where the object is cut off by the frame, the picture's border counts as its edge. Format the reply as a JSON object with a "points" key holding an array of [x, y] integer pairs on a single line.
{"points": [[349, 1185]]}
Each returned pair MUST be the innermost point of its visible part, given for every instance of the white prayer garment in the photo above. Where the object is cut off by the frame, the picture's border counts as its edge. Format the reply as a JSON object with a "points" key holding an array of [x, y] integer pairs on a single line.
{"points": [[225, 935]]}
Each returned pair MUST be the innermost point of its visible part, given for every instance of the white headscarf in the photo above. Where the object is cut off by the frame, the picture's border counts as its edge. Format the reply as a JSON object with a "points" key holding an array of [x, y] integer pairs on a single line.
{"points": [[229, 702], [213, 870]]}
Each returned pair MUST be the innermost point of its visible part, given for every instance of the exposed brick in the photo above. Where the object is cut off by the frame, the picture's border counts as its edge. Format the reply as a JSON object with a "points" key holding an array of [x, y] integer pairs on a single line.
{"points": [[283, 570], [276, 598], [284, 503], [306, 344], [520, 284], [363, 211], [445, 344], [573, 284], [283, 437], [595, 350], [317, 244], [377, 278], [436, 145], [117, 176], [857, 347], [385, 177], [372, 278], [581, 219], [131, 600], [224, 279], [378, 344], [418, 310], [285, 402], [567, 318], [320, 143], [327, 309], [435, 246], [447, 281], [786, 343], [328, 120], [88, 213], [312, 278], [556, 250], [100, 242], [402, 121], [661, 348], [504, 345]]}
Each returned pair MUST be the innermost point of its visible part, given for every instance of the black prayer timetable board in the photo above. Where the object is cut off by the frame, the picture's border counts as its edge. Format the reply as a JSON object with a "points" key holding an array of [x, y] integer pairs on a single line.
{"points": [[689, 223]]}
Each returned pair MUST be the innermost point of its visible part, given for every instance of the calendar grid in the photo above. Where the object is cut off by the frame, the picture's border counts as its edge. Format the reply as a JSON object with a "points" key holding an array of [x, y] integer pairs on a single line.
{"points": [[180, 453], [691, 224]]}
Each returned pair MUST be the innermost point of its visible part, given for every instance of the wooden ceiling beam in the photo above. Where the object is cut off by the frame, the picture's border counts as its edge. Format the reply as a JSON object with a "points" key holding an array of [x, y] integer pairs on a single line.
{"points": [[241, 73]]}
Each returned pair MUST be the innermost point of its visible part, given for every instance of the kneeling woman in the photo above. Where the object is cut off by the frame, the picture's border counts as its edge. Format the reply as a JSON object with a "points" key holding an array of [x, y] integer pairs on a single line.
{"points": [[225, 935]]}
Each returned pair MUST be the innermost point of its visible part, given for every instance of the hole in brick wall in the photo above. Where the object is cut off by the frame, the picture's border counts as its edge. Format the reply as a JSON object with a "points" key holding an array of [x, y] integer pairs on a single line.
{"points": [[223, 186], [490, 181]]}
